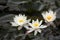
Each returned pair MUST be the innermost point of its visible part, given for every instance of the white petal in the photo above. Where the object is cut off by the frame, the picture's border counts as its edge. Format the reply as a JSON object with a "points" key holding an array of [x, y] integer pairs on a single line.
{"points": [[43, 14], [24, 15], [20, 14], [50, 11], [14, 24], [35, 32], [43, 26], [41, 22], [16, 16], [32, 21], [26, 26], [54, 17], [20, 27], [46, 12], [39, 30], [28, 20], [30, 31], [31, 25], [37, 20]]}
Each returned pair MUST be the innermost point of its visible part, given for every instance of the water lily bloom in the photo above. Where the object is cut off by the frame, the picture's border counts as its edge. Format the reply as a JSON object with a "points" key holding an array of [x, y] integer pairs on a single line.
{"points": [[20, 20], [49, 16], [35, 26]]}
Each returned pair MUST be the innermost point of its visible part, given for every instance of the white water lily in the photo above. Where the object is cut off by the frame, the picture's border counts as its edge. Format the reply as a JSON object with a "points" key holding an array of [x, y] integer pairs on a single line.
{"points": [[35, 26], [49, 17], [20, 20]]}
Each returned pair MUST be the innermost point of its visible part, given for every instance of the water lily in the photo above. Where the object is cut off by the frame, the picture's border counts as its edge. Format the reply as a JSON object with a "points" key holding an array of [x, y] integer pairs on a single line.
{"points": [[35, 26], [49, 16], [20, 20]]}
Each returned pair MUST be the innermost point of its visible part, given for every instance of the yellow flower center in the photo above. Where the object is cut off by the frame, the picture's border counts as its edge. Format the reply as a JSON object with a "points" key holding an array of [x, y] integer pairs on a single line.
{"points": [[49, 17], [36, 25], [21, 21]]}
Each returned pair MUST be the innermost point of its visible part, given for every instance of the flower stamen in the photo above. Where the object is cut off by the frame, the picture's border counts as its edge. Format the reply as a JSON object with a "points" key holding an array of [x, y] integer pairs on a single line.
{"points": [[36, 24], [49, 17], [21, 21]]}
